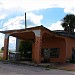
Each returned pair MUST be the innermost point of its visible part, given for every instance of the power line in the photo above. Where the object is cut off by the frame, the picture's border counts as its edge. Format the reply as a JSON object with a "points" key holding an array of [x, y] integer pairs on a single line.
{"points": [[12, 23]]}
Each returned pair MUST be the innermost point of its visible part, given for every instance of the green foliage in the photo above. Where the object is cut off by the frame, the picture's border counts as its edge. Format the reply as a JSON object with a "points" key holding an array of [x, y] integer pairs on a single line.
{"points": [[2, 49], [25, 49], [1, 58], [68, 23]]}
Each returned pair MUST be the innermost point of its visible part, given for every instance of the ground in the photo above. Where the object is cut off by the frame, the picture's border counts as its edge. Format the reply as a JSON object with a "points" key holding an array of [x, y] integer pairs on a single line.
{"points": [[8, 68], [22, 69]]}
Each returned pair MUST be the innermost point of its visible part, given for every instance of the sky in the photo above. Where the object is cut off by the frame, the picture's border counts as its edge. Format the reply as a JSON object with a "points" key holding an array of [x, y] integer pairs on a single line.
{"points": [[48, 13]]}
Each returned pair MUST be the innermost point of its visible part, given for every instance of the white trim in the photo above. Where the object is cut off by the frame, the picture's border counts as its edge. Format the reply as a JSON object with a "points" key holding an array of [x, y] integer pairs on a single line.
{"points": [[37, 32]]}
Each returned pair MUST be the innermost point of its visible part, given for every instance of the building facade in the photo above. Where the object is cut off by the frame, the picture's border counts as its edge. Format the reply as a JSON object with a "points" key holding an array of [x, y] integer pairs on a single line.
{"points": [[47, 46]]}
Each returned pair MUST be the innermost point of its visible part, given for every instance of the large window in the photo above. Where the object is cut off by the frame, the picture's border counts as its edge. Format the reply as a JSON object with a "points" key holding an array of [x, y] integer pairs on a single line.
{"points": [[51, 52], [54, 52]]}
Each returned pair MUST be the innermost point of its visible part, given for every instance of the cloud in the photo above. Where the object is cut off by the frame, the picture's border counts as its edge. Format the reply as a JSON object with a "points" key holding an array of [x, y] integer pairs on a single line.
{"points": [[18, 22], [30, 5], [36, 19], [13, 23], [2, 40], [12, 43], [56, 26], [2, 16], [27, 5]]}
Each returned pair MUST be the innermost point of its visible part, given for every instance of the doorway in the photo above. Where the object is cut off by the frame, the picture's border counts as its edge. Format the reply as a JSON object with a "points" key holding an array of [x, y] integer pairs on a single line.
{"points": [[46, 55], [73, 54]]}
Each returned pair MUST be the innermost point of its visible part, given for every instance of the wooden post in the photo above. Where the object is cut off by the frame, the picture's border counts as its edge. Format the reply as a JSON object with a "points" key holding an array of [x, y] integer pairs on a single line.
{"points": [[6, 44]]}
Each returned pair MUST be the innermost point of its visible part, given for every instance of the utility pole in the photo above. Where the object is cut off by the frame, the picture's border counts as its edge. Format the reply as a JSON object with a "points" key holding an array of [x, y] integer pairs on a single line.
{"points": [[25, 21]]}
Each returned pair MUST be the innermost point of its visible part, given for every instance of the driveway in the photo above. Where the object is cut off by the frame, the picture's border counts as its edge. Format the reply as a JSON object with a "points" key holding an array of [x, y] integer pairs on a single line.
{"points": [[19, 69]]}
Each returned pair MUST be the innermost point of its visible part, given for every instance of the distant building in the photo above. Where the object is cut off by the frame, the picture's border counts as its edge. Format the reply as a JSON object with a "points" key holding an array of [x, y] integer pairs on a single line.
{"points": [[47, 46]]}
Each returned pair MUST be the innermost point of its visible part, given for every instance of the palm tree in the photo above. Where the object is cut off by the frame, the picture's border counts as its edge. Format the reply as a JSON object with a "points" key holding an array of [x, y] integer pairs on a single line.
{"points": [[68, 23]]}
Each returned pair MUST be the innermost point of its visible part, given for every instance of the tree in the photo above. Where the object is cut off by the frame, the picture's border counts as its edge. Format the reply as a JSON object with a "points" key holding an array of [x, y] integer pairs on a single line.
{"points": [[25, 49], [68, 23], [2, 49]]}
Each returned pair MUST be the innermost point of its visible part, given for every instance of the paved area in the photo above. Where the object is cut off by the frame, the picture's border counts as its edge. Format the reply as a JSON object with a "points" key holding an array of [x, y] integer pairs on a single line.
{"points": [[69, 67], [20, 69]]}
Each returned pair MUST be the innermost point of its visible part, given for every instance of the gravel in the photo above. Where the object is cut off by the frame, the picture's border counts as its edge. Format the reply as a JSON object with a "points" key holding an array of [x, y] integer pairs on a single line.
{"points": [[21, 69]]}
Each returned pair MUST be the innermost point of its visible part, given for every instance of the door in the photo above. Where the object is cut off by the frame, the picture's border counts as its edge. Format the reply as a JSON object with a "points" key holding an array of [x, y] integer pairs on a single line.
{"points": [[73, 54], [46, 55]]}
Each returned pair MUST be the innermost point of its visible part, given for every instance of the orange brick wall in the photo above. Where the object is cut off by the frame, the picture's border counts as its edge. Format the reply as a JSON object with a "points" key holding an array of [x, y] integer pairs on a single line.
{"points": [[36, 48], [56, 43], [70, 43]]}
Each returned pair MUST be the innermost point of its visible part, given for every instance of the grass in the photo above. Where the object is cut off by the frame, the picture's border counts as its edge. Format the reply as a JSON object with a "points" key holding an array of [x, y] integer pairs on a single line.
{"points": [[1, 56], [1, 51]]}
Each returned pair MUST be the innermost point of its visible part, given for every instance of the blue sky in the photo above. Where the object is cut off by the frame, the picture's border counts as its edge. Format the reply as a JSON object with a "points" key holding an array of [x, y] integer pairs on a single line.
{"points": [[51, 15], [48, 13]]}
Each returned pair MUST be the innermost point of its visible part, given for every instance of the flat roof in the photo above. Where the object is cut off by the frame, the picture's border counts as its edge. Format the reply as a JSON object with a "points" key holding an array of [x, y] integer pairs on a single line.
{"points": [[22, 31]]}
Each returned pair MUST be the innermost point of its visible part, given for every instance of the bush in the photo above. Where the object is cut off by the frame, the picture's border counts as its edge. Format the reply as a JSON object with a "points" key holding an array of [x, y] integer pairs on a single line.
{"points": [[25, 49]]}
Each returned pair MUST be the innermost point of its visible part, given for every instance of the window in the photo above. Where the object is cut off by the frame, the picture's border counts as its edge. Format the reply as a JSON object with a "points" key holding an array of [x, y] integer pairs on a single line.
{"points": [[54, 52], [42, 52]]}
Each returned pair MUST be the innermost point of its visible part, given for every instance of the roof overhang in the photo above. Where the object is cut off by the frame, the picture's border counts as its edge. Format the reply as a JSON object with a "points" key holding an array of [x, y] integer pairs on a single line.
{"points": [[28, 33]]}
